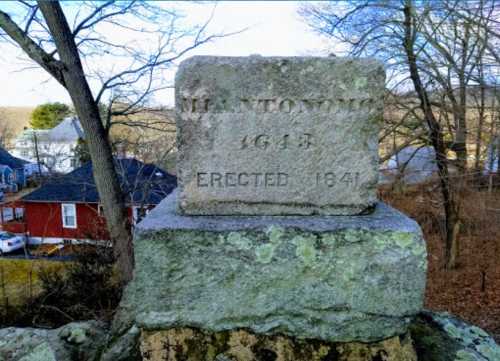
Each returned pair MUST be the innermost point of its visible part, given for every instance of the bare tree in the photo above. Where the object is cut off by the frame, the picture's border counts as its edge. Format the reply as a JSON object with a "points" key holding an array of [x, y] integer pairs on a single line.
{"points": [[430, 48], [74, 47]]}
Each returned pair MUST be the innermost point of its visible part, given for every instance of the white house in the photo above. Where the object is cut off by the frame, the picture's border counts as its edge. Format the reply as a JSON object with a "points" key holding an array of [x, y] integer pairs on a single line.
{"points": [[410, 165], [492, 153], [56, 147]]}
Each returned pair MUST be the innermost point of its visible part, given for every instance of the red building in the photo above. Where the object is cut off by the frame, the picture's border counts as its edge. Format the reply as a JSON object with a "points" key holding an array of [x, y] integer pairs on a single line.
{"points": [[68, 208]]}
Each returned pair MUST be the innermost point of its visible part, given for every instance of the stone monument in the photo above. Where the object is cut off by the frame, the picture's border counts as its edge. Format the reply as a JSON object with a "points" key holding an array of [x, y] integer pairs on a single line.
{"points": [[274, 247], [278, 136]]}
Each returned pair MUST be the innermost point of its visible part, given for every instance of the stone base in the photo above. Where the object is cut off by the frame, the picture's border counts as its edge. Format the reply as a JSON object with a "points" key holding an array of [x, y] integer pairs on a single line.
{"points": [[242, 209], [239, 345], [442, 337], [336, 279], [77, 341]]}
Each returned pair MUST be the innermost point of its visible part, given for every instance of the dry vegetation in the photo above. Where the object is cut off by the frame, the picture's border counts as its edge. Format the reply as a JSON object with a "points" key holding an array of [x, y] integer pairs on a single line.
{"points": [[12, 122], [19, 279], [471, 290], [45, 293], [16, 117]]}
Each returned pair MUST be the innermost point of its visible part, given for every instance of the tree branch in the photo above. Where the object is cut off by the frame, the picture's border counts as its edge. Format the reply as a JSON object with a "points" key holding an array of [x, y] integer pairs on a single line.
{"points": [[34, 51]]}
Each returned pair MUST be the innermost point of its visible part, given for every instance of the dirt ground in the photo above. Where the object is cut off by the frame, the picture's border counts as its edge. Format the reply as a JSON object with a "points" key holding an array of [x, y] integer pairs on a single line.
{"points": [[472, 291]]}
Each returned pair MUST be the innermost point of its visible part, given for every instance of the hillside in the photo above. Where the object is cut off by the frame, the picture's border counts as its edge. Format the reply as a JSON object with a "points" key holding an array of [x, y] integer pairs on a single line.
{"points": [[15, 117]]}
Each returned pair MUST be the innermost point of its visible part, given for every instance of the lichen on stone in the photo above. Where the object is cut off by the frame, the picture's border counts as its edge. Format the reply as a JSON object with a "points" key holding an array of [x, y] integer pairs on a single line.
{"points": [[238, 240], [305, 248], [264, 253], [327, 278], [442, 337], [275, 233], [463, 355]]}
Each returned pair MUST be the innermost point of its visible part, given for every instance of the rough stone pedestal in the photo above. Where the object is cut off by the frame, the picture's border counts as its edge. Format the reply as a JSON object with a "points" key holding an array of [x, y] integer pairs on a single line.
{"points": [[329, 278]]}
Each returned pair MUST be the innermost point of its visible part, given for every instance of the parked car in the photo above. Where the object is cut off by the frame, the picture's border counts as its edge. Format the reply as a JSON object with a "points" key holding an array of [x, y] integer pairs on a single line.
{"points": [[10, 242]]}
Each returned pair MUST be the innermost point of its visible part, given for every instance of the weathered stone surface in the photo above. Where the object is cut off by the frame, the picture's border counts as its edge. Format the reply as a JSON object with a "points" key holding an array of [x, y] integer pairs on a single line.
{"points": [[78, 341], [240, 345], [442, 337], [328, 278], [279, 135], [123, 347]]}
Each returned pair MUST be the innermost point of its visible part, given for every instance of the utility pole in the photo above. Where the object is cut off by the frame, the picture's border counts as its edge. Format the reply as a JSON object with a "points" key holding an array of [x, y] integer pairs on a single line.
{"points": [[37, 155]]}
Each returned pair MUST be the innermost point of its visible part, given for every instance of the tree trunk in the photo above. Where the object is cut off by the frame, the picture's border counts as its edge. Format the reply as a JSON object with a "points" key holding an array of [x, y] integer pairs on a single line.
{"points": [[105, 175], [479, 133], [436, 137], [461, 131]]}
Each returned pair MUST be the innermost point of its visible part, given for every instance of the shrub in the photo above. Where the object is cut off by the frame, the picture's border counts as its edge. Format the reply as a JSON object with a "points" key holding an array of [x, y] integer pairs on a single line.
{"points": [[86, 289]]}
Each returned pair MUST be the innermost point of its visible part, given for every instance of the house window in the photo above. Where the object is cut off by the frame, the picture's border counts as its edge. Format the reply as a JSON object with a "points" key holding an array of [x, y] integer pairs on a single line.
{"points": [[69, 215], [100, 210], [19, 213]]}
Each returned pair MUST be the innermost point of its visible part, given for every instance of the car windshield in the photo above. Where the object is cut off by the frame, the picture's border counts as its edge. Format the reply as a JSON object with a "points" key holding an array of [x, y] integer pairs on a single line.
{"points": [[6, 235]]}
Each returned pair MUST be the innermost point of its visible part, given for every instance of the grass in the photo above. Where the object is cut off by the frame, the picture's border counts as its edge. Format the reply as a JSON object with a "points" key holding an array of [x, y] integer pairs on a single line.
{"points": [[19, 279]]}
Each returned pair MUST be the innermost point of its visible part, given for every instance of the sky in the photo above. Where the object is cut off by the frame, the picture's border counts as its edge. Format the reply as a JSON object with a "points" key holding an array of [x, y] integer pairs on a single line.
{"points": [[273, 28]]}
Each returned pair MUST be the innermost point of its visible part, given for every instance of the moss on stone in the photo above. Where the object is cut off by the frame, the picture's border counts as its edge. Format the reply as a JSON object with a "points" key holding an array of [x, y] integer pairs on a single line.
{"points": [[430, 344], [442, 337], [181, 344]]}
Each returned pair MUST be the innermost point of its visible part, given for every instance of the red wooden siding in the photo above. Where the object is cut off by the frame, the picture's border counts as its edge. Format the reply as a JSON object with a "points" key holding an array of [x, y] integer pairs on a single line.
{"points": [[45, 220], [13, 224], [14, 227]]}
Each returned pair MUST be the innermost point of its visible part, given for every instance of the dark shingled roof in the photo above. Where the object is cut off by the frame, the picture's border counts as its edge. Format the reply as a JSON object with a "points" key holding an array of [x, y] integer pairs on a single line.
{"points": [[143, 184], [7, 159]]}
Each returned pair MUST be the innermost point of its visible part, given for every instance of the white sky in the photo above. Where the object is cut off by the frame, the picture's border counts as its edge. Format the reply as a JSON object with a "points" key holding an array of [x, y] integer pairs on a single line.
{"points": [[274, 29]]}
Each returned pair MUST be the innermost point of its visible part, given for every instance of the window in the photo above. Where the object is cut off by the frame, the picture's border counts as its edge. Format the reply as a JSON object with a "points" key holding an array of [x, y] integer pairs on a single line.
{"points": [[19, 213], [68, 215], [100, 210], [6, 235]]}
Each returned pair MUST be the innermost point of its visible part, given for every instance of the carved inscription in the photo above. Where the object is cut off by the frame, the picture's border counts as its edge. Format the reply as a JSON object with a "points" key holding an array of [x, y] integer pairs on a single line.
{"points": [[241, 179], [272, 105], [330, 179], [286, 141], [270, 179]]}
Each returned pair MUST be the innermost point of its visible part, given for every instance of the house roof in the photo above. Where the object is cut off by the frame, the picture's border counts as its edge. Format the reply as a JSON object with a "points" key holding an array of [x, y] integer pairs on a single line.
{"points": [[143, 184], [7, 159], [68, 130], [4, 167]]}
